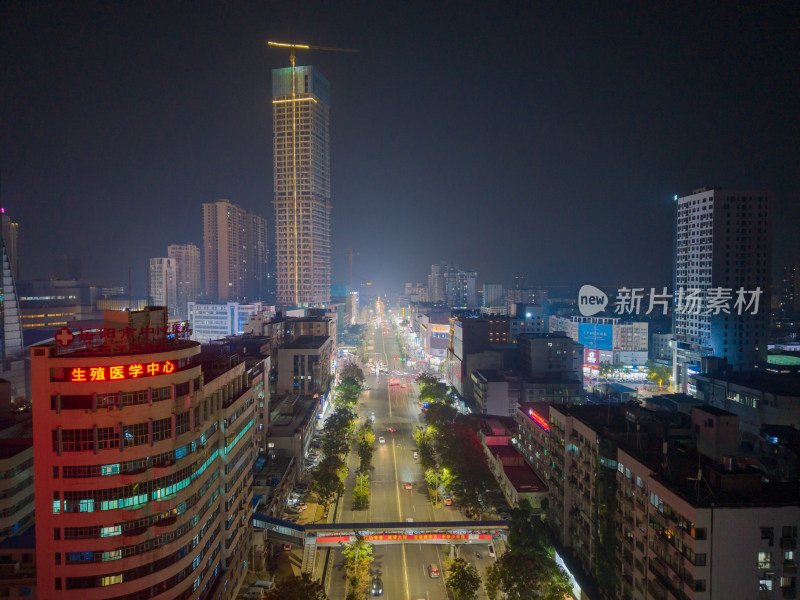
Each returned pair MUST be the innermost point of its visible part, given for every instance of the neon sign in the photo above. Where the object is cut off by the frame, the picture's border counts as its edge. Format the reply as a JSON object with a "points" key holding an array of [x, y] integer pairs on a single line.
{"points": [[537, 418], [404, 537], [135, 371]]}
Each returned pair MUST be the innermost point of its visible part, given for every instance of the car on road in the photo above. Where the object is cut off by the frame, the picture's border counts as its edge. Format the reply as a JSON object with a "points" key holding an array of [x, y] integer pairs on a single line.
{"points": [[286, 547], [409, 519], [408, 486], [377, 587], [404, 385], [448, 500], [391, 430], [491, 550], [381, 440], [433, 571], [416, 456]]}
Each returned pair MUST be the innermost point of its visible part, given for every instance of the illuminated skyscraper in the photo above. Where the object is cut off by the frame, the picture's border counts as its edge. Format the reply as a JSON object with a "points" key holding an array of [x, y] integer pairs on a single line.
{"points": [[301, 161], [722, 245]]}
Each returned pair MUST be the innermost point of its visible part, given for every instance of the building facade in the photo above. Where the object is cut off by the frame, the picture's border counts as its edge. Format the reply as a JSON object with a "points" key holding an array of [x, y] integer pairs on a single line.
{"points": [[163, 284], [210, 322], [142, 465], [302, 192], [186, 258], [235, 252], [723, 245]]}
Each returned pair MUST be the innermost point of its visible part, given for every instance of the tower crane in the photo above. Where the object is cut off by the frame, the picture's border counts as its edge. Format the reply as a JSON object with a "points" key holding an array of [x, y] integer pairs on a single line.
{"points": [[350, 255], [294, 228]]}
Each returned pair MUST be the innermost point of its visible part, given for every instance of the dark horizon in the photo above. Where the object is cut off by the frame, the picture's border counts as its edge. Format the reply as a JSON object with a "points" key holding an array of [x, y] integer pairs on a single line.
{"points": [[542, 139]]}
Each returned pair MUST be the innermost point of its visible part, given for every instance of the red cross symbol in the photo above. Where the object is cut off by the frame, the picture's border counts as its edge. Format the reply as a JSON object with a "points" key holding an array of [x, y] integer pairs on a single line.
{"points": [[64, 337]]}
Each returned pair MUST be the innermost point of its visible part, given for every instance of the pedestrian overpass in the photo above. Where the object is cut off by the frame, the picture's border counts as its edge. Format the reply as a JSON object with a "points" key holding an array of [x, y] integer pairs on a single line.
{"points": [[326, 535]]}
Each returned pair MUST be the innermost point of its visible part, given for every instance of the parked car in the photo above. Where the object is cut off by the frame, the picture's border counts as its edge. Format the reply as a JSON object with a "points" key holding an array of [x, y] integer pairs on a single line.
{"points": [[491, 550], [448, 500]]}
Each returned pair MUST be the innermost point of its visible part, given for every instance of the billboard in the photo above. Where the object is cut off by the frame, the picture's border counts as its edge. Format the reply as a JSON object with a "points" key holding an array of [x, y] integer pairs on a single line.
{"points": [[596, 336], [606, 356], [591, 357]]}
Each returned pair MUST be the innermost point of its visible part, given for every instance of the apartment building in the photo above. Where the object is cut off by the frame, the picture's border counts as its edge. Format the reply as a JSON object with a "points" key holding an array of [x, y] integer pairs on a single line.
{"points": [[143, 455]]}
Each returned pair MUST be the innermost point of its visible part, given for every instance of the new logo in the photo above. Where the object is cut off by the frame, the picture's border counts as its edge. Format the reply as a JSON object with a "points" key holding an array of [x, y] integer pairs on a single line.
{"points": [[591, 300]]}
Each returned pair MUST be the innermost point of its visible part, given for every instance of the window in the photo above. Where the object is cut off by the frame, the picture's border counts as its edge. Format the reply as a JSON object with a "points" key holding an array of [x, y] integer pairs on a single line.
{"points": [[767, 533], [700, 560], [764, 560], [700, 533], [700, 585], [788, 555], [765, 585]]}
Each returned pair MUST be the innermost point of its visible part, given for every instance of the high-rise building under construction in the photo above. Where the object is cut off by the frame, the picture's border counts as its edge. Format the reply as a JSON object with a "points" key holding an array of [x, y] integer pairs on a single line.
{"points": [[301, 160]]}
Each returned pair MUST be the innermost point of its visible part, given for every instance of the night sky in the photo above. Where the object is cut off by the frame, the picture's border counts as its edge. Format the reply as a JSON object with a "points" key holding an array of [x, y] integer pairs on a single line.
{"points": [[545, 138]]}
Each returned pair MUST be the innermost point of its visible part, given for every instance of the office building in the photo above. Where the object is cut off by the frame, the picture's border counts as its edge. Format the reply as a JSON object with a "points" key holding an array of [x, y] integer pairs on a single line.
{"points": [[143, 457], [10, 321], [186, 258], [302, 192], [722, 258], [235, 255], [460, 288], [11, 241], [259, 275], [163, 284], [790, 292], [436, 285], [493, 297], [210, 322], [304, 366]]}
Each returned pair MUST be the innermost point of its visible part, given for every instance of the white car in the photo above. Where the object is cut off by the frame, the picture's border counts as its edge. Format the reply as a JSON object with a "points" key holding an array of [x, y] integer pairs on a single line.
{"points": [[381, 440]]}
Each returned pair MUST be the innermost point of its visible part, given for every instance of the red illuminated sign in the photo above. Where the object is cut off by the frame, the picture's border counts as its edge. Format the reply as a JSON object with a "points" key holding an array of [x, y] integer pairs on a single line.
{"points": [[537, 418], [81, 374], [591, 357], [402, 537]]}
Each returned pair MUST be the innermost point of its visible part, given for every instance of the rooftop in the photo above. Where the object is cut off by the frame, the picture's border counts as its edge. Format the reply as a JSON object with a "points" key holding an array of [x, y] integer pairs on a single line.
{"points": [[787, 384], [501, 450], [524, 479], [306, 342]]}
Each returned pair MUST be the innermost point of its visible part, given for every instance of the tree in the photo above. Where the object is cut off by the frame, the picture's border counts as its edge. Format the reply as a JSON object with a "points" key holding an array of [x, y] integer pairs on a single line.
{"points": [[518, 575], [361, 491], [424, 379], [327, 479], [440, 415], [297, 587], [527, 533], [658, 373], [434, 392], [353, 372], [463, 579], [358, 557]]}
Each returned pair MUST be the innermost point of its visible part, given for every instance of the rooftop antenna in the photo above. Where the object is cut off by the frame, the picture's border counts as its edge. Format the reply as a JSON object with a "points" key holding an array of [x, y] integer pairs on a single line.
{"points": [[700, 481]]}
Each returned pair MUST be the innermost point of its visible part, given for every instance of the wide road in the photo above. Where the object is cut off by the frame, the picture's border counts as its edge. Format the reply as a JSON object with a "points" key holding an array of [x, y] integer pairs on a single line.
{"points": [[402, 568]]}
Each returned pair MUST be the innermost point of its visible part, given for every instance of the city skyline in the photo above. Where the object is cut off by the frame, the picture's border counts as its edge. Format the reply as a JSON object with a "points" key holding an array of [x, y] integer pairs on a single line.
{"points": [[539, 121]]}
